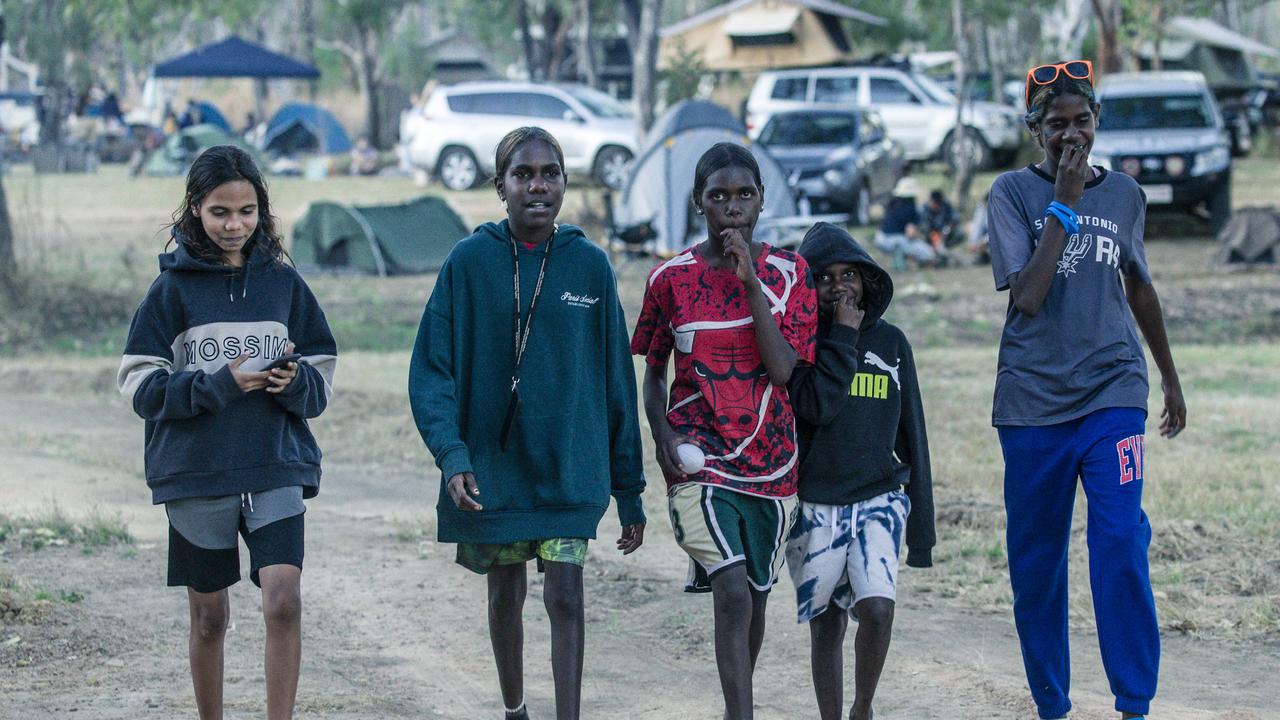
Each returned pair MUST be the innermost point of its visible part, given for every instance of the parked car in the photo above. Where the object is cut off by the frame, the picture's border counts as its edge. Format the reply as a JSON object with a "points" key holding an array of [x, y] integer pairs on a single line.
{"points": [[453, 134], [837, 160], [918, 112], [1165, 130]]}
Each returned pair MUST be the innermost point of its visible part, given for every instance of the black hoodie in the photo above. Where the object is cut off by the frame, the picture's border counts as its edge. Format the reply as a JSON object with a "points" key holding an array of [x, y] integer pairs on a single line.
{"points": [[859, 418], [204, 436]]}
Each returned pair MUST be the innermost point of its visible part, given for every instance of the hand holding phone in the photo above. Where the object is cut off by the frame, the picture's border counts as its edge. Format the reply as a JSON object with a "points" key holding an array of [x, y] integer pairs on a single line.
{"points": [[283, 361]]}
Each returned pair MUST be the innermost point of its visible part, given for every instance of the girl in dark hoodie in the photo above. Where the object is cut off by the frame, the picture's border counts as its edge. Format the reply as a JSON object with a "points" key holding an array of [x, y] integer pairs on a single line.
{"points": [[228, 450], [864, 466]]}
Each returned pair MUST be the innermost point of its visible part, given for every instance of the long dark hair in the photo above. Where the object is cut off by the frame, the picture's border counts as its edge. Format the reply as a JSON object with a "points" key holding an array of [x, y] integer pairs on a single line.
{"points": [[216, 166], [719, 157]]}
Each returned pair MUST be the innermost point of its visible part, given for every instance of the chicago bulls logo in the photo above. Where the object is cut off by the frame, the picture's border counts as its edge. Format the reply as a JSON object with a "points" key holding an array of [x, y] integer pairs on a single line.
{"points": [[733, 382]]}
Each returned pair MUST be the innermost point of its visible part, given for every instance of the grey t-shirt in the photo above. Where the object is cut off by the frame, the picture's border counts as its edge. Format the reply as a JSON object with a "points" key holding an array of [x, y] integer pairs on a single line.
{"points": [[1081, 352]]}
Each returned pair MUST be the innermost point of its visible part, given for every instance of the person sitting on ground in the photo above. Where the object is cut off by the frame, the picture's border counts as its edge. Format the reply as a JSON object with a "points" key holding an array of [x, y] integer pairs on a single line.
{"points": [[864, 467], [899, 232], [364, 157], [938, 221]]}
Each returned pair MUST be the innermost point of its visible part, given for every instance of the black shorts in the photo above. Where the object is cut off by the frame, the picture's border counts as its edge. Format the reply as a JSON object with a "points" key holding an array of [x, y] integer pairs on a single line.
{"points": [[206, 571]]}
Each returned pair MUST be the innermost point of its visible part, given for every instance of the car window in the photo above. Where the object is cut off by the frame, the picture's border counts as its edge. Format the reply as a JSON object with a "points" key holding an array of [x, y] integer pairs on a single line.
{"points": [[887, 91], [487, 104], [836, 90], [809, 129], [790, 88], [542, 106], [598, 103], [1162, 111]]}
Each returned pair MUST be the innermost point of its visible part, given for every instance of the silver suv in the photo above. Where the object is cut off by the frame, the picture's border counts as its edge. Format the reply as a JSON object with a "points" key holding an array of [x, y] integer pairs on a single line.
{"points": [[454, 133], [917, 111]]}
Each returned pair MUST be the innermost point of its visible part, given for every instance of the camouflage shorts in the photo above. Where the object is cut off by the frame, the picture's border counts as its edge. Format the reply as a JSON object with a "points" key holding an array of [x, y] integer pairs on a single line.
{"points": [[479, 557]]}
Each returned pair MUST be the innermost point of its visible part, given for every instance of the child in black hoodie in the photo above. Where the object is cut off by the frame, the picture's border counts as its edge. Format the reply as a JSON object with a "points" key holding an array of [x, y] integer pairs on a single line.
{"points": [[864, 465]]}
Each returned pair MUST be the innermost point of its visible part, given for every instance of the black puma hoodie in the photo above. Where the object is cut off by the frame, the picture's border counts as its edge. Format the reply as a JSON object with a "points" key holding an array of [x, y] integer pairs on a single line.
{"points": [[859, 418]]}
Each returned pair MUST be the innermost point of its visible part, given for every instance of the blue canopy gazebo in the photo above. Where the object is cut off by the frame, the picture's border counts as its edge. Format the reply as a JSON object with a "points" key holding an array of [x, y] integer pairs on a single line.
{"points": [[234, 57]]}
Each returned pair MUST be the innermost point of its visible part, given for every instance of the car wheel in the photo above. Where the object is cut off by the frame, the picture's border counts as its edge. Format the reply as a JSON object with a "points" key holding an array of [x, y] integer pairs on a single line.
{"points": [[613, 165], [1220, 208], [458, 169], [969, 142], [862, 207]]}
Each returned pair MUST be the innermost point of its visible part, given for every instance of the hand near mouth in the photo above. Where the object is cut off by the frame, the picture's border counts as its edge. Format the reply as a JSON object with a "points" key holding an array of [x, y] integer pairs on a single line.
{"points": [[738, 250]]}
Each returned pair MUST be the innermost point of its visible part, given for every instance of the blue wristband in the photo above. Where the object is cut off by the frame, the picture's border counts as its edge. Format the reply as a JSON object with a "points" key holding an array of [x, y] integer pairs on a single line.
{"points": [[1065, 215]]}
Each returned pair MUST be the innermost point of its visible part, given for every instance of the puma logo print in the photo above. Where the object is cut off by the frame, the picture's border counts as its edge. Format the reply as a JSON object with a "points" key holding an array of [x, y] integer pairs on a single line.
{"points": [[874, 360]]}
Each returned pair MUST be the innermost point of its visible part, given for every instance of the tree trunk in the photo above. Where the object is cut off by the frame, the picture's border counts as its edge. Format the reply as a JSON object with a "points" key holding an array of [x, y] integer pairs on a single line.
{"points": [[964, 169], [1105, 11], [308, 23], [586, 57], [367, 73], [259, 84], [51, 59], [526, 39], [644, 67]]}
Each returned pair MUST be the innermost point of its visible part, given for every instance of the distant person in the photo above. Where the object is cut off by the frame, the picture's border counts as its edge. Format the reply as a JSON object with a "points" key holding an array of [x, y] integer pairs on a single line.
{"points": [[735, 316], [1071, 393], [976, 233], [111, 112], [250, 124], [900, 234], [365, 159], [227, 358], [532, 433], [193, 115], [169, 121], [938, 221], [864, 470]]}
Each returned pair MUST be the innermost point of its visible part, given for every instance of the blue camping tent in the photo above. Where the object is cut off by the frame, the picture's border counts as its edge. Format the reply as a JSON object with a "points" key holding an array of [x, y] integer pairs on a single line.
{"points": [[301, 128], [211, 115], [234, 57]]}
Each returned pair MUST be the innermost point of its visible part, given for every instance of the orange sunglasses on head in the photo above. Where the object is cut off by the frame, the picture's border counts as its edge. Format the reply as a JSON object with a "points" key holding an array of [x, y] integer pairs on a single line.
{"points": [[1046, 74]]}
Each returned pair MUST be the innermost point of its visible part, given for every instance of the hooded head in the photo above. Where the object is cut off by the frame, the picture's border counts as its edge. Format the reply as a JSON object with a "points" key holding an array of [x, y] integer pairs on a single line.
{"points": [[830, 252]]}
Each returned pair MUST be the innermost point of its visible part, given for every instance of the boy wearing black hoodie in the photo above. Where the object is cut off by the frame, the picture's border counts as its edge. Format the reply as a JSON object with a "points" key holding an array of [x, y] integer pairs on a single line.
{"points": [[864, 466]]}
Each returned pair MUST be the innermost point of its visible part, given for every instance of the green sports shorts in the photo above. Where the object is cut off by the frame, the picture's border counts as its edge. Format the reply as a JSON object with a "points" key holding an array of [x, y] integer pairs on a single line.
{"points": [[479, 557]]}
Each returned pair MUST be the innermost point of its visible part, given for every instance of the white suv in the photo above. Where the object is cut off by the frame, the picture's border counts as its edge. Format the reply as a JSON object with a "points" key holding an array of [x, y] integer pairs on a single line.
{"points": [[454, 133], [917, 111]]}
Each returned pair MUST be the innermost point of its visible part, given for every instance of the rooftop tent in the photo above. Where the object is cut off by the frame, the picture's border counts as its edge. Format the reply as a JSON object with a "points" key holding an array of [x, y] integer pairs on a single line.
{"points": [[182, 148], [410, 237], [1252, 235], [660, 188], [304, 128], [234, 57]]}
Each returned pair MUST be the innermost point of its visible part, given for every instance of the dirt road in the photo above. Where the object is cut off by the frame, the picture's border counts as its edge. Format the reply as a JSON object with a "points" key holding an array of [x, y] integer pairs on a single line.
{"points": [[394, 629]]}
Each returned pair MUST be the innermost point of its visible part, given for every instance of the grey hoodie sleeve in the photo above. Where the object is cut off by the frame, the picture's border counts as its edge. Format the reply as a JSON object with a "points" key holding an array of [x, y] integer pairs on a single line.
{"points": [[146, 376]]}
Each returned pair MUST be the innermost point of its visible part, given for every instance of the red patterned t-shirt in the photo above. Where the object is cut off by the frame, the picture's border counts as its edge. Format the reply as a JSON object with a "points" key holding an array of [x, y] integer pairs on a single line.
{"points": [[721, 394]]}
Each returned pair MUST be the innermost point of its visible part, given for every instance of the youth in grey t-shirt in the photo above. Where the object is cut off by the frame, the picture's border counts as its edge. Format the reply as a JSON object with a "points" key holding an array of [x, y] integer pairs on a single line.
{"points": [[1080, 352]]}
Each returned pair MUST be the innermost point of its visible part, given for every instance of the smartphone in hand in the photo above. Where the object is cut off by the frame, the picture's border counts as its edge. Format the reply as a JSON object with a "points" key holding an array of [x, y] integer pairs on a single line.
{"points": [[283, 361]]}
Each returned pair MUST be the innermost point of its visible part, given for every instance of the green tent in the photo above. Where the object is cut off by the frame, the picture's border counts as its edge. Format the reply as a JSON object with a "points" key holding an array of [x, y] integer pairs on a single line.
{"points": [[181, 149], [410, 237]]}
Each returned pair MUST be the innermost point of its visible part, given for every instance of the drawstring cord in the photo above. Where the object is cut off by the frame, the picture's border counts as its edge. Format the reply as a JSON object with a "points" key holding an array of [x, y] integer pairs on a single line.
{"points": [[231, 284], [246, 501]]}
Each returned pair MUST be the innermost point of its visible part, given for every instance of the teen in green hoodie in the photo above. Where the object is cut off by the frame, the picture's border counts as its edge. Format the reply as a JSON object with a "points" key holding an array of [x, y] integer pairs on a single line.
{"points": [[522, 386]]}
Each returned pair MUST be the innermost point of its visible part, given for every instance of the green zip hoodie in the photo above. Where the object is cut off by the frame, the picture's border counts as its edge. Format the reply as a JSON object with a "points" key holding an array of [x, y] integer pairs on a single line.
{"points": [[576, 439]]}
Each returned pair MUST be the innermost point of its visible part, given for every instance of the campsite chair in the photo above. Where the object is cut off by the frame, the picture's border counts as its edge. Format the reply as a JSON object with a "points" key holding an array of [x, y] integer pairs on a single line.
{"points": [[627, 244]]}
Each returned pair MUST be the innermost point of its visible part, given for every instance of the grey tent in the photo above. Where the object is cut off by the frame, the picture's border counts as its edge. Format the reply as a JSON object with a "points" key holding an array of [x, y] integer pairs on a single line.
{"points": [[1252, 235], [410, 237], [660, 187]]}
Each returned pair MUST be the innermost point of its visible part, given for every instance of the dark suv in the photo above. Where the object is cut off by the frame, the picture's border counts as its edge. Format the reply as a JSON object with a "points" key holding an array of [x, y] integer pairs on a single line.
{"points": [[1165, 130]]}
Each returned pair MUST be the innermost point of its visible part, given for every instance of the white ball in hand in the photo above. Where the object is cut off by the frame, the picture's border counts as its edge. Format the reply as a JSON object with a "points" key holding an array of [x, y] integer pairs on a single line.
{"points": [[692, 459]]}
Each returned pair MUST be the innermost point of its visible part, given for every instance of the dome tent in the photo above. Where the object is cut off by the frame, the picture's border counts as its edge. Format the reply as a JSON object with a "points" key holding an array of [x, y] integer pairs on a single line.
{"points": [[304, 128], [405, 238], [660, 187], [183, 147]]}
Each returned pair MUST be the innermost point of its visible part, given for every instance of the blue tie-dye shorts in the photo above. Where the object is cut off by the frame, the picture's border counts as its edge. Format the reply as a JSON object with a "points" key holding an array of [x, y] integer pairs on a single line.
{"points": [[840, 554]]}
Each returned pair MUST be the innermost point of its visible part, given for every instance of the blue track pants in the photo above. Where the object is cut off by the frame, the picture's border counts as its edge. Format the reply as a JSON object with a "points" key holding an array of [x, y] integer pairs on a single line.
{"points": [[1104, 450]]}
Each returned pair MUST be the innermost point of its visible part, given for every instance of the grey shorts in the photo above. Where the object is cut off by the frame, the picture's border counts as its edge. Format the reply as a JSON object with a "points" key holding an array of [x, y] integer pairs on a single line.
{"points": [[203, 536]]}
